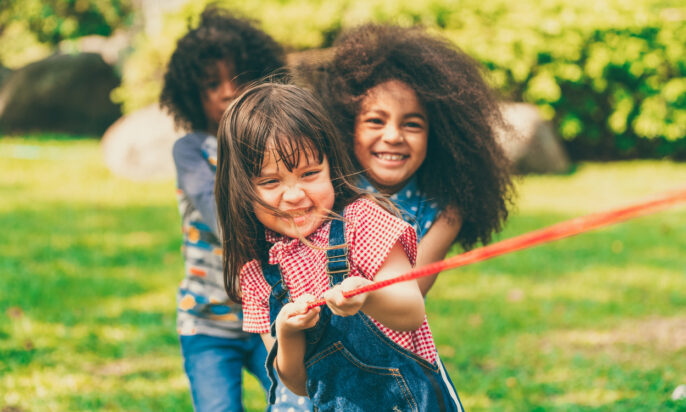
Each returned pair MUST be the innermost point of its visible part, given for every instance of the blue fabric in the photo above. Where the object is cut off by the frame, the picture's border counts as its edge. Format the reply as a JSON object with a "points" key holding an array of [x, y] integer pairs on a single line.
{"points": [[213, 366], [203, 306], [353, 366], [415, 208]]}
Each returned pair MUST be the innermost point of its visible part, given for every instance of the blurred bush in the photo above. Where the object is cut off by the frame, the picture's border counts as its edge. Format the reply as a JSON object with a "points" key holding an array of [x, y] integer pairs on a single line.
{"points": [[31, 29], [610, 74]]}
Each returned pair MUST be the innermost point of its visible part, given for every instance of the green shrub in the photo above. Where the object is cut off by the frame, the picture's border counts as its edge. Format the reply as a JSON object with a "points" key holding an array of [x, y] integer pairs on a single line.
{"points": [[611, 75]]}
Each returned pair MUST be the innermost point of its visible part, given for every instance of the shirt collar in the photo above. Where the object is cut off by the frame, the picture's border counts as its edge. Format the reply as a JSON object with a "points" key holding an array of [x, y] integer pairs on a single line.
{"points": [[283, 245]]}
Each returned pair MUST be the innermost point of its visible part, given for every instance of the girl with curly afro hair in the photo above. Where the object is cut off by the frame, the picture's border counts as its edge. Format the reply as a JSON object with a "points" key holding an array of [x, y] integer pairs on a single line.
{"points": [[211, 63], [419, 118]]}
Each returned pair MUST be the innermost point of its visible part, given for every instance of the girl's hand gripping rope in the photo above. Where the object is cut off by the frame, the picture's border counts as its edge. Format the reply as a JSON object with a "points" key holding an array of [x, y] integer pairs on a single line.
{"points": [[343, 305], [297, 316]]}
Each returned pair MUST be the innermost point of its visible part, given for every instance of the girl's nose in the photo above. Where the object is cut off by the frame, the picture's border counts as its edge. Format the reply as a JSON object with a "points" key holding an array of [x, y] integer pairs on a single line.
{"points": [[227, 90], [392, 135], [293, 194]]}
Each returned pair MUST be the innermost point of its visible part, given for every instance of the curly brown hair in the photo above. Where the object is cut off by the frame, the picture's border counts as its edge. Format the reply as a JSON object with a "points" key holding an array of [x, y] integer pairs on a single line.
{"points": [[465, 167], [220, 36]]}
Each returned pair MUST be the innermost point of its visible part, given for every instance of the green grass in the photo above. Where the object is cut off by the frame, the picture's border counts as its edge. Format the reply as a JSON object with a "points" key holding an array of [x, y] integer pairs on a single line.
{"points": [[89, 265]]}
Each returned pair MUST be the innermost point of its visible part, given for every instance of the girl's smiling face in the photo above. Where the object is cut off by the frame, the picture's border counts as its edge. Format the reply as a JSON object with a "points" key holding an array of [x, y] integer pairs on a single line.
{"points": [[219, 90], [391, 132], [304, 194]]}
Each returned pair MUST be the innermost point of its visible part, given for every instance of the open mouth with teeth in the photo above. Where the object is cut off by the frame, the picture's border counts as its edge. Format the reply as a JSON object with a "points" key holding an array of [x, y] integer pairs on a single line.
{"points": [[393, 157]]}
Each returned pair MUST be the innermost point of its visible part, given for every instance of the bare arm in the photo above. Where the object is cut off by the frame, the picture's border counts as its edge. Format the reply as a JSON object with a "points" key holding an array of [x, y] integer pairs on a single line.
{"points": [[399, 306], [436, 244], [290, 358]]}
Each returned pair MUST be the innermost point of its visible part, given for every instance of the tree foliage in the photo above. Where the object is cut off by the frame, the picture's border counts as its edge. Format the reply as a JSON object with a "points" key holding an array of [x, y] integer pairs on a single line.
{"points": [[55, 20], [611, 75]]}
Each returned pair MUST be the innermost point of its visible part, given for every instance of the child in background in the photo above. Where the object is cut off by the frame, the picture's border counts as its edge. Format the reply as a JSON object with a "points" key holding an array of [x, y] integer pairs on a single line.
{"points": [[420, 120], [281, 172], [208, 66]]}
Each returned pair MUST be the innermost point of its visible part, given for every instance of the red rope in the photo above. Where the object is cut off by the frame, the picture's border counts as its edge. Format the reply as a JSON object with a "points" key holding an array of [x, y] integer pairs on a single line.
{"points": [[557, 231]]}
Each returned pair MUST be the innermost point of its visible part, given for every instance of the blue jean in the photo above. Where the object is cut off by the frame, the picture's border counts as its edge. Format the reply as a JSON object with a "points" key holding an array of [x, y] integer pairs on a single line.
{"points": [[214, 365]]}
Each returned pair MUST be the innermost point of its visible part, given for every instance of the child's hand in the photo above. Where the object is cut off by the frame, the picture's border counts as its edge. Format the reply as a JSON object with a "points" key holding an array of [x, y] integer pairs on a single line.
{"points": [[295, 317], [339, 304]]}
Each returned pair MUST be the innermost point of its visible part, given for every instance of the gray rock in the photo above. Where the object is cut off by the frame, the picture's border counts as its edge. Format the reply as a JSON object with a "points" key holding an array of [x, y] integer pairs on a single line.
{"points": [[111, 48], [62, 93], [531, 143], [138, 146]]}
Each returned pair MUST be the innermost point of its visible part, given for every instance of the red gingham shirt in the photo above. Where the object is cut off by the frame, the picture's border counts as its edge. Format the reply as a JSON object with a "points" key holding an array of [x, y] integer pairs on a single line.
{"points": [[370, 233]]}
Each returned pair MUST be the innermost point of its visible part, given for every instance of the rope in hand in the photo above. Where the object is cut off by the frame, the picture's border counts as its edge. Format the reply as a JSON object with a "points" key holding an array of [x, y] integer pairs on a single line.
{"points": [[557, 231]]}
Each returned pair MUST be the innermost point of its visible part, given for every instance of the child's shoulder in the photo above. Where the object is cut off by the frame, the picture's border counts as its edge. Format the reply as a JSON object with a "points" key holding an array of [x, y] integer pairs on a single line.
{"points": [[362, 207], [195, 138], [194, 142], [365, 211]]}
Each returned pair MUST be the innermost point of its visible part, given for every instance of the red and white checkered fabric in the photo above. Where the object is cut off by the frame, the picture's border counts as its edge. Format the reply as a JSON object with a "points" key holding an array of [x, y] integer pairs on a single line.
{"points": [[370, 233]]}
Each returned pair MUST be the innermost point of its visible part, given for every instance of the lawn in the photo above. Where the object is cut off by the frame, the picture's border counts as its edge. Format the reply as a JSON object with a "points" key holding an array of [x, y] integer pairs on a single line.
{"points": [[89, 265]]}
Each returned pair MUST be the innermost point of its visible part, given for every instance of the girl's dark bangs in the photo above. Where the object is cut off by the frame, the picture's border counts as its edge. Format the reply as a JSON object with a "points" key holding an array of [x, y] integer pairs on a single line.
{"points": [[298, 136], [290, 150]]}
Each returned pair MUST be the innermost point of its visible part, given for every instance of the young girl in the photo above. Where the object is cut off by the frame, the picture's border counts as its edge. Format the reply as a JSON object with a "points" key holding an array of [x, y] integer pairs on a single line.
{"points": [[211, 62], [281, 174], [419, 118]]}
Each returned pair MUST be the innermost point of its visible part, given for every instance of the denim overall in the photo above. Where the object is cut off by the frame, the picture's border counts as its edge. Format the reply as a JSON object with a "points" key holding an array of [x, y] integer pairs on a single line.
{"points": [[351, 364]]}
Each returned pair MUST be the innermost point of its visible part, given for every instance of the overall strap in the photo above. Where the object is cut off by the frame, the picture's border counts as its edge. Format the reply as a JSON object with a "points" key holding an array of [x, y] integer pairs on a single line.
{"points": [[280, 294], [337, 266]]}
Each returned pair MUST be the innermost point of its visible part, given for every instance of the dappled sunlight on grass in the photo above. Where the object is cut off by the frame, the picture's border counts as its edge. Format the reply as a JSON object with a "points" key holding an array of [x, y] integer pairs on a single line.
{"points": [[475, 402], [592, 397], [659, 338], [159, 300], [595, 187]]}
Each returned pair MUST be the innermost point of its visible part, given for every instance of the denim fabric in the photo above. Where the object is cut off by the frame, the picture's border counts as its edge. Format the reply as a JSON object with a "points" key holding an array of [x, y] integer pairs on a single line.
{"points": [[214, 365], [353, 366], [415, 208]]}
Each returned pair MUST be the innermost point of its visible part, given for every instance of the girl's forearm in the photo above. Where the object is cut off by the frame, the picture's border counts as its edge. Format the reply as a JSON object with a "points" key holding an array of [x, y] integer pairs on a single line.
{"points": [[436, 244], [290, 361], [399, 308]]}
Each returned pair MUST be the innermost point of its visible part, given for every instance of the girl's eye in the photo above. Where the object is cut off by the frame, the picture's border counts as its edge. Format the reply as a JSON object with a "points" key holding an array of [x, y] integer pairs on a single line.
{"points": [[212, 85], [414, 125], [267, 182], [374, 121], [311, 173]]}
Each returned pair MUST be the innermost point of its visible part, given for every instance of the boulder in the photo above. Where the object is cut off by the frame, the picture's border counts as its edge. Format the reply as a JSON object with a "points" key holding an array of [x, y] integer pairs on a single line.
{"points": [[530, 141], [138, 146], [62, 93], [111, 48]]}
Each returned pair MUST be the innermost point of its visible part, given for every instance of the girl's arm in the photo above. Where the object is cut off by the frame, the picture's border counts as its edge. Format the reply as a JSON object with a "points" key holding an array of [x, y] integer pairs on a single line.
{"points": [[436, 244], [290, 358], [399, 306], [195, 178]]}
